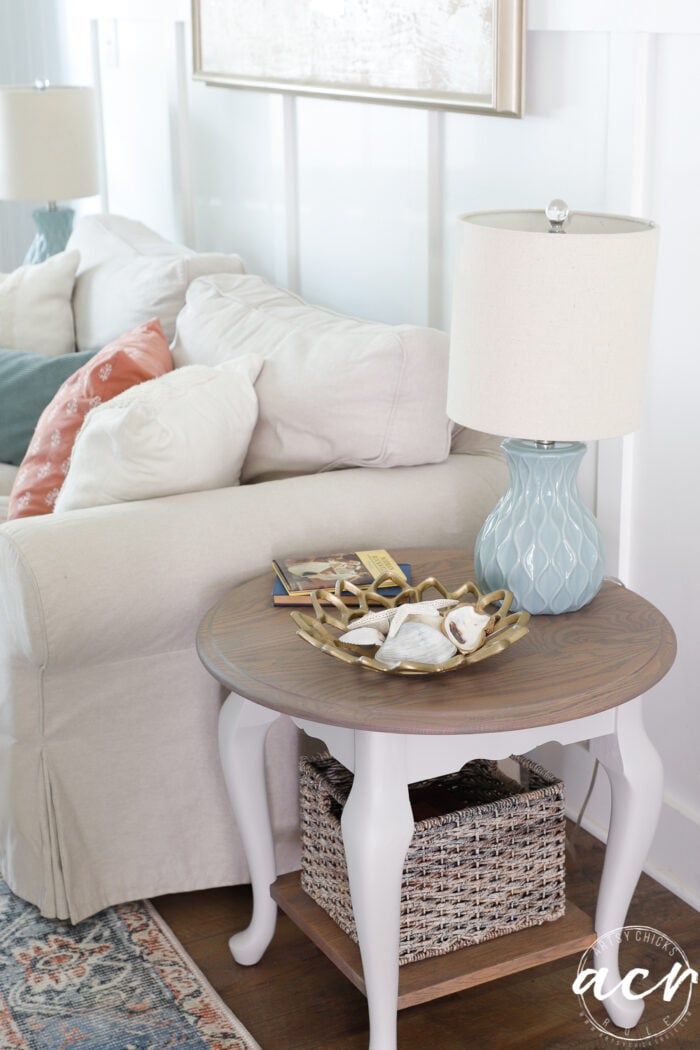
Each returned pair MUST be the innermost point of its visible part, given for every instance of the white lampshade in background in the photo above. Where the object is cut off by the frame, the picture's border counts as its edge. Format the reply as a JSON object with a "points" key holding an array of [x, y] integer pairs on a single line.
{"points": [[550, 333], [48, 143], [550, 330], [48, 152]]}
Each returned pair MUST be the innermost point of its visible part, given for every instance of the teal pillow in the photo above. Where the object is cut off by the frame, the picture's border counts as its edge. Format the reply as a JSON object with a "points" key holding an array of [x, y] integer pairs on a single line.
{"points": [[28, 382]]}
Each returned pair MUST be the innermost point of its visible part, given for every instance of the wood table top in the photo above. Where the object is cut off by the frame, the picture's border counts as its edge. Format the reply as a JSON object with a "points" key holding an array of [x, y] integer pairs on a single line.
{"points": [[567, 666]]}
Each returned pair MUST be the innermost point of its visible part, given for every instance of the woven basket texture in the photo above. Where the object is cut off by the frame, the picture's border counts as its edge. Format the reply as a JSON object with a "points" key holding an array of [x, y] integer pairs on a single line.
{"points": [[486, 858]]}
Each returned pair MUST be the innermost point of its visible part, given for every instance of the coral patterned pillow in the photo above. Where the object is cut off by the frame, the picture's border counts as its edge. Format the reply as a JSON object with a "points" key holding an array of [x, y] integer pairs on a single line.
{"points": [[141, 354]]}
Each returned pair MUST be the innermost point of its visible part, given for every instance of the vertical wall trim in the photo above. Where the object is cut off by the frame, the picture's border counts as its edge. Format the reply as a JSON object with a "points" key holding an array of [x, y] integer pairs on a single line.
{"points": [[97, 82], [627, 471], [180, 154], [436, 218], [641, 194], [644, 123], [631, 135], [290, 173]]}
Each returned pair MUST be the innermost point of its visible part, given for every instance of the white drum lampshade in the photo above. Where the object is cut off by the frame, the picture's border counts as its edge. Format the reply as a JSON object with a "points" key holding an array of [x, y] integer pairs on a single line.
{"points": [[549, 342], [48, 151]]}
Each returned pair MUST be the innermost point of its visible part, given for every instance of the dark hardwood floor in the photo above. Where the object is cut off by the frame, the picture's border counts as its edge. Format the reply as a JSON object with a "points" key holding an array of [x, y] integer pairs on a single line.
{"points": [[295, 999]]}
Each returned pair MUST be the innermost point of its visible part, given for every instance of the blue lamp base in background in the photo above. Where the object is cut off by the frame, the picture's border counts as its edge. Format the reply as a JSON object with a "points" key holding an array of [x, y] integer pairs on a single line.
{"points": [[54, 226], [541, 541]]}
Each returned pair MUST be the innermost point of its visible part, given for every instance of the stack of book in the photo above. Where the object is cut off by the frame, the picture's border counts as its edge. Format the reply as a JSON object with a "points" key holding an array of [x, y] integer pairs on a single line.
{"points": [[297, 577]]}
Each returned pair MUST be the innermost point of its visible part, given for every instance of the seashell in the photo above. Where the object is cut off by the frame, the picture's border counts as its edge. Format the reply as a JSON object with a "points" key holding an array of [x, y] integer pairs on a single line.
{"points": [[432, 603], [379, 618], [362, 636], [382, 618], [416, 615], [466, 627], [416, 642]]}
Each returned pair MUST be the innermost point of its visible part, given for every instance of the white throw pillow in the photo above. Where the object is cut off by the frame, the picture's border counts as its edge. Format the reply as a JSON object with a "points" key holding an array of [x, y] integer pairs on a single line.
{"points": [[182, 432], [335, 391], [36, 312], [129, 274]]}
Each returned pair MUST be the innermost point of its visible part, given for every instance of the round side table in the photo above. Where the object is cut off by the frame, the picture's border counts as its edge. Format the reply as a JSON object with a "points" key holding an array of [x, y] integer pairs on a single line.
{"points": [[573, 677]]}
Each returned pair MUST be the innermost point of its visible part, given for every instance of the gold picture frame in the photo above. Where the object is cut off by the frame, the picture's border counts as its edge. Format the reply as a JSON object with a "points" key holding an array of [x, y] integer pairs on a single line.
{"points": [[461, 55]]}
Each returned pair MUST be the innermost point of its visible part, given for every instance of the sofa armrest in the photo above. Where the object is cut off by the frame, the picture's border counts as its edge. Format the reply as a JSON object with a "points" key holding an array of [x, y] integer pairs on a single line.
{"points": [[113, 583]]}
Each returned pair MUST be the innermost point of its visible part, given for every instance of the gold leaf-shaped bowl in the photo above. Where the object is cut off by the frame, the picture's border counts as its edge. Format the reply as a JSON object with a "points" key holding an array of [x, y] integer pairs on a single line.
{"points": [[332, 617]]}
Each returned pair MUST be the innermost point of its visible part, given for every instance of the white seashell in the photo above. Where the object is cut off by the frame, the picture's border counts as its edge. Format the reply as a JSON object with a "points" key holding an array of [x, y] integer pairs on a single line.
{"points": [[382, 618], [466, 627], [433, 603], [362, 636], [379, 618], [416, 615], [417, 642]]}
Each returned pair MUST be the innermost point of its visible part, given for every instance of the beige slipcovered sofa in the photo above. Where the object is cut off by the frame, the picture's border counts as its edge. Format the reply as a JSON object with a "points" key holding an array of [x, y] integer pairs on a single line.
{"points": [[110, 784]]}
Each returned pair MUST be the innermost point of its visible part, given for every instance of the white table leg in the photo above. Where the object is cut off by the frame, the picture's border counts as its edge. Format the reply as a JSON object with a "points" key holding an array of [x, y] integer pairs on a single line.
{"points": [[243, 727], [377, 827], [636, 783]]}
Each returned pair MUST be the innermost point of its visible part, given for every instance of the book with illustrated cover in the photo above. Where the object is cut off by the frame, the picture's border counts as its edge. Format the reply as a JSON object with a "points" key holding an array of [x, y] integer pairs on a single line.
{"points": [[280, 596], [298, 576]]}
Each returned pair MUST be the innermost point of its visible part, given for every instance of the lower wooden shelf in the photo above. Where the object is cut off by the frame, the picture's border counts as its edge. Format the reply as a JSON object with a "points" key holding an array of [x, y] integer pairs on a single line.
{"points": [[443, 974]]}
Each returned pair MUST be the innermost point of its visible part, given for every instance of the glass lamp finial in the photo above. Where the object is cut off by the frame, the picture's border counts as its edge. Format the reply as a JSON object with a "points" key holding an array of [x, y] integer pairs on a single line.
{"points": [[558, 212]]}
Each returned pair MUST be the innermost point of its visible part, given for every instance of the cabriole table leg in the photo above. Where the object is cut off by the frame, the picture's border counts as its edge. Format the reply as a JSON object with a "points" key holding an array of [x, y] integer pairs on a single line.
{"points": [[377, 825], [243, 727], [636, 784]]}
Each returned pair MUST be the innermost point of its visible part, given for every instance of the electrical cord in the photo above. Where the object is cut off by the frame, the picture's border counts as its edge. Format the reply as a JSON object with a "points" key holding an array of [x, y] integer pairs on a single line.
{"points": [[571, 838]]}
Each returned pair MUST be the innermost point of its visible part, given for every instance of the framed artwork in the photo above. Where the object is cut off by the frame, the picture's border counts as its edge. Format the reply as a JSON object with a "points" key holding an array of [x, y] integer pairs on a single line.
{"points": [[452, 54]]}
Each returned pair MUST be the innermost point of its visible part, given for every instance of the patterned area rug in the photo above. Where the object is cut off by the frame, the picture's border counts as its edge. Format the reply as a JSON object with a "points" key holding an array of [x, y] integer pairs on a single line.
{"points": [[117, 981]]}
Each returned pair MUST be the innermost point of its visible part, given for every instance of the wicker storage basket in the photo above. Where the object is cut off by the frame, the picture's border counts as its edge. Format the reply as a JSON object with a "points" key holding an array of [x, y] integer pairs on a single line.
{"points": [[486, 857]]}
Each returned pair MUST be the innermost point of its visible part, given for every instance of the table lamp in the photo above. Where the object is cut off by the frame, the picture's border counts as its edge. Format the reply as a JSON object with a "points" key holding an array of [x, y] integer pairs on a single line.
{"points": [[48, 151], [550, 332]]}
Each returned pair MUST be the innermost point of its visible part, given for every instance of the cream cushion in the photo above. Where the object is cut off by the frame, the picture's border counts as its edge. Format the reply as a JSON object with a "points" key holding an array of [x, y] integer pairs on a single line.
{"points": [[335, 391], [128, 274], [183, 432], [35, 306]]}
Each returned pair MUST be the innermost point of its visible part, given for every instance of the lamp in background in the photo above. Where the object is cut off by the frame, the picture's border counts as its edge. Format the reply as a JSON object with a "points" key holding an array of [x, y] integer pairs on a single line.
{"points": [[48, 151], [550, 331]]}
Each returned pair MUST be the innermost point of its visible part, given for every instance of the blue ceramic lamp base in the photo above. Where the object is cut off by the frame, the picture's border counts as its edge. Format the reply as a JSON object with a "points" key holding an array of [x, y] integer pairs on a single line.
{"points": [[540, 541], [54, 226]]}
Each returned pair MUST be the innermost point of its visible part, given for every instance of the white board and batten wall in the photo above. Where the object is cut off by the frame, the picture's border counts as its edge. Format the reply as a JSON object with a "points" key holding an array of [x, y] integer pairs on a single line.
{"points": [[353, 205]]}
